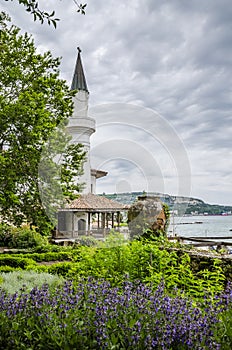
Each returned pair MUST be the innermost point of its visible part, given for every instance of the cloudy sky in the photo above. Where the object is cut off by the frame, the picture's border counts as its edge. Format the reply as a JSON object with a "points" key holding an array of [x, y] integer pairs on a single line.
{"points": [[159, 74]]}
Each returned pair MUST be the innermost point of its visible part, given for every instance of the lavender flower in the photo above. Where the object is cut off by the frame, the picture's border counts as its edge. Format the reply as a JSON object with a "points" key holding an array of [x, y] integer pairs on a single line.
{"points": [[94, 315]]}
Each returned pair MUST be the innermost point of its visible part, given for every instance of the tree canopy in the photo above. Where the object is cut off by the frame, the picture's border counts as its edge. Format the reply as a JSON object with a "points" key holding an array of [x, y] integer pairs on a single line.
{"points": [[34, 108]]}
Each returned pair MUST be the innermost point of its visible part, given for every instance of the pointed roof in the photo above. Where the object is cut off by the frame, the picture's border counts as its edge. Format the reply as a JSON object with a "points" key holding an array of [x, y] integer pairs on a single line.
{"points": [[79, 82]]}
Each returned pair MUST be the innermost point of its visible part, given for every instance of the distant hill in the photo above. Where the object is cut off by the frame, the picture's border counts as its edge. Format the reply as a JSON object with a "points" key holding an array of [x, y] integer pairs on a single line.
{"points": [[179, 204]]}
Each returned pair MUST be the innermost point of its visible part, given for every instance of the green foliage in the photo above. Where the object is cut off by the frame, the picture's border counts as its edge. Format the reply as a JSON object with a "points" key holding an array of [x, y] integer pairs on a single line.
{"points": [[72, 166], [166, 210], [20, 237], [213, 279], [9, 269], [32, 7], [86, 241], [223, 331], [150, 235], [46, 257], [35, 105], [60, 268], [147, 261], [16, 261], [113, 239], [5, 235], [14, 281], [211, 209], [51, 256], [50, 248]]}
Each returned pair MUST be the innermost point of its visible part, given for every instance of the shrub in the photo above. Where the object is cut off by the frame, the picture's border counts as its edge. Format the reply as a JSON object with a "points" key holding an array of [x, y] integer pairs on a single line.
{"points": [[9, 269], [50, 248], [26, 238], [61, 268], [50, 256], [147, 262], [5, 235], [16, 261], [20, 237], [87, 241], [26, 280]]}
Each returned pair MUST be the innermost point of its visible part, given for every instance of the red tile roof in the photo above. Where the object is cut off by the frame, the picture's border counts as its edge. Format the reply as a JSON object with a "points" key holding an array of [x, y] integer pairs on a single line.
{"points": [[93, 202]]}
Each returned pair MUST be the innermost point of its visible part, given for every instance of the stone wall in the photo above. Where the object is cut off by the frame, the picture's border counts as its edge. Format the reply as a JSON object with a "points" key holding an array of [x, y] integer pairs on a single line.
{"points": [[201, 260]]}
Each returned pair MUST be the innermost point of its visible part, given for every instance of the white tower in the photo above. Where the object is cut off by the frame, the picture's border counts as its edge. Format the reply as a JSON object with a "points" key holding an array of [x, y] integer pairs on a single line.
{"points": [[80, 125]]}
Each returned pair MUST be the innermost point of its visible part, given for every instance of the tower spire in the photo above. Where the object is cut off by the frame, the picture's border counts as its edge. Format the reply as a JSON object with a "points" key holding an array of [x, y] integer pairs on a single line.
{"points": [[79, 81]]}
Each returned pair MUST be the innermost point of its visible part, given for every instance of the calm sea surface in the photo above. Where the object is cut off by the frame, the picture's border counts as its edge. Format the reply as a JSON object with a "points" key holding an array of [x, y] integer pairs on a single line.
{"points": [[201, 226]]}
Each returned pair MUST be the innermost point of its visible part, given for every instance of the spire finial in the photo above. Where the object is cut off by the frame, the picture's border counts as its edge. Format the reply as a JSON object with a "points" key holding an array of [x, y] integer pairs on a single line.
{"points": [[78, 49]]}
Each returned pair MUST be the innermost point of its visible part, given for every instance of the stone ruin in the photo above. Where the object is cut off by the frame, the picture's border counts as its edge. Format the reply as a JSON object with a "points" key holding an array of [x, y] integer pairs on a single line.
{"points": [[146, 216]]}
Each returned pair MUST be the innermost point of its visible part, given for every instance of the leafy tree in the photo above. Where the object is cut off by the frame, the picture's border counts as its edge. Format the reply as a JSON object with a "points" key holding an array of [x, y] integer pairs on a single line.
{"points": [[34, 108], [32, 6]]}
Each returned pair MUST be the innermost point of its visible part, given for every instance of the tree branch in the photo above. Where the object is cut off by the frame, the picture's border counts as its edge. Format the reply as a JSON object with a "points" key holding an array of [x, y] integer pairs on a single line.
{"points": [[32, 6]]}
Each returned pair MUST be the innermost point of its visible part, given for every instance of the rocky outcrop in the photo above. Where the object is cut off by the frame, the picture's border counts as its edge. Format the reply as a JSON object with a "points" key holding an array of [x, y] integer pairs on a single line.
{"points": [[146, 214]]}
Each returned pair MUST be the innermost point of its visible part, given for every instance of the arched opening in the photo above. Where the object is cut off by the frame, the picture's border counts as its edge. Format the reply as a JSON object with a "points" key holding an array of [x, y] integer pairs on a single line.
{"points": [[81, 226]]}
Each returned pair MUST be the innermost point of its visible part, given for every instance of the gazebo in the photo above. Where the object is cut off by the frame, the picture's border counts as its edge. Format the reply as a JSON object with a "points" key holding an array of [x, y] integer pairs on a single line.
{"points": [[89, 215]]}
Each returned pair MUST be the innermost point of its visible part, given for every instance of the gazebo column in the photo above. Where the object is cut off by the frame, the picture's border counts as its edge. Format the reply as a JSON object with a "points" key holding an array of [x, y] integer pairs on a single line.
{"points": [[118, 218], [89, 223], [72, 224], [103, 221], [112, 220], [107, 220], [98, 220], [103, 216]]}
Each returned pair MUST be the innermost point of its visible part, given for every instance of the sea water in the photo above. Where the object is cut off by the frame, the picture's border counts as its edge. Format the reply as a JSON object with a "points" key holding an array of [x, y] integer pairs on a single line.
{"points": [[201, 226]]}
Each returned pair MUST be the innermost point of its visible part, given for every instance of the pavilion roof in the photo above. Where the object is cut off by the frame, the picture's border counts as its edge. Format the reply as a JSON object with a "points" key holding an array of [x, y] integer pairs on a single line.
{"points": [[92, 202]]}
